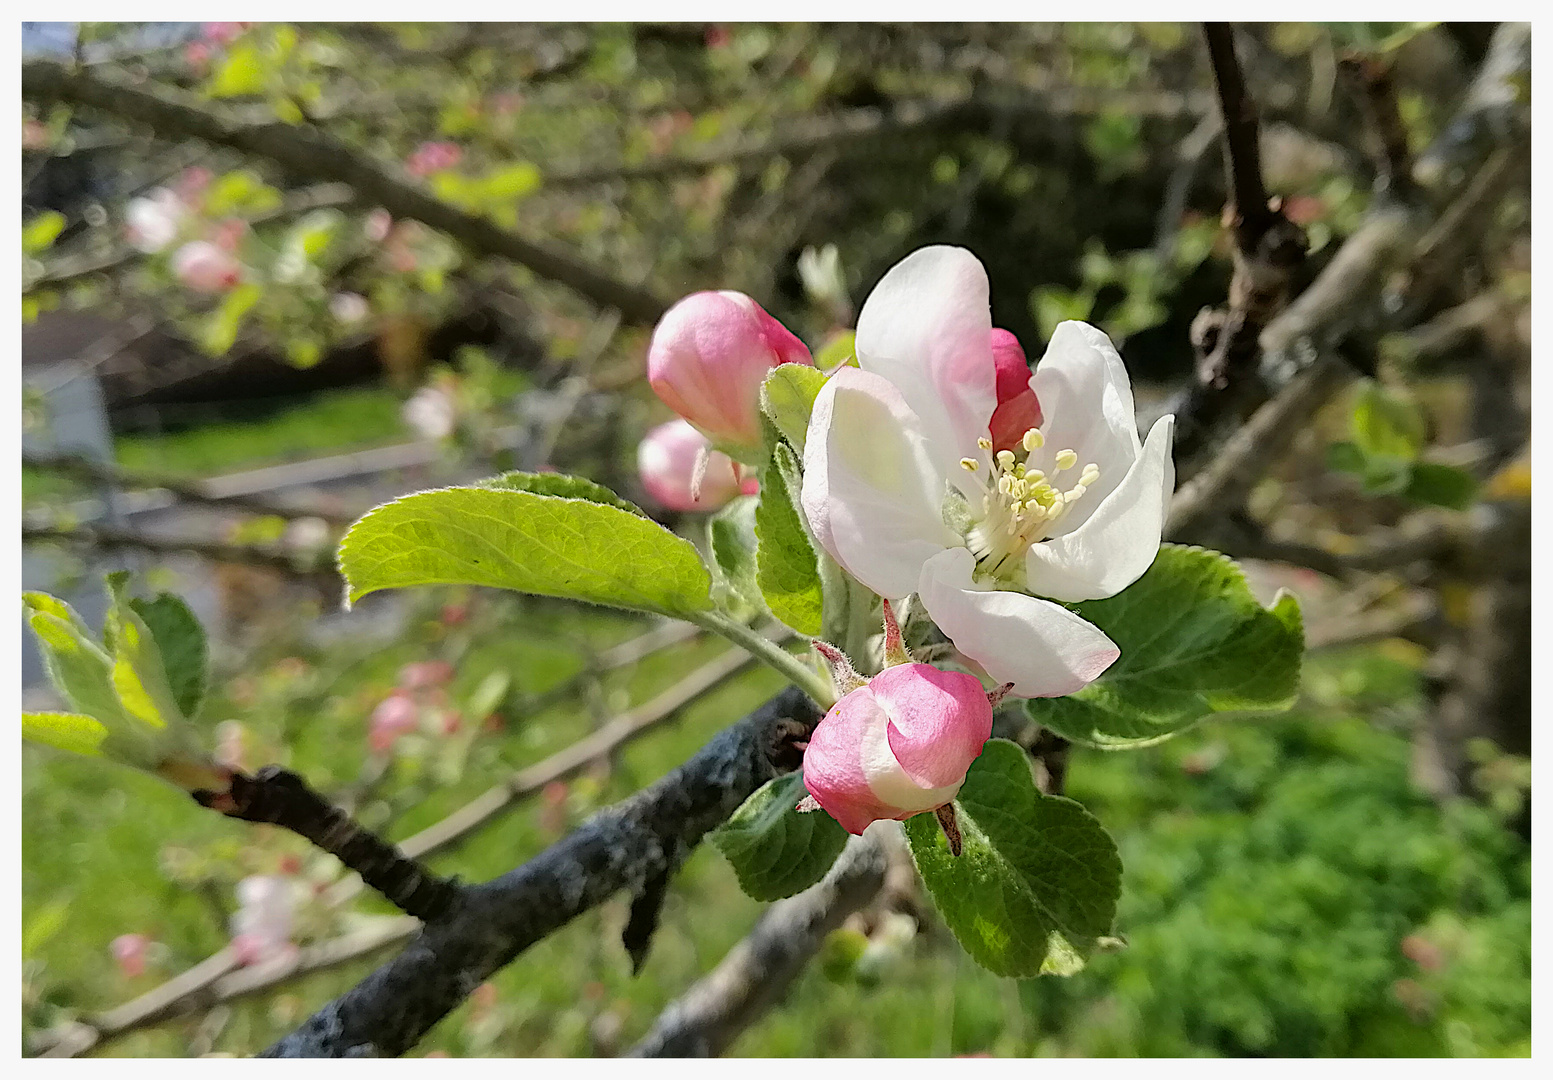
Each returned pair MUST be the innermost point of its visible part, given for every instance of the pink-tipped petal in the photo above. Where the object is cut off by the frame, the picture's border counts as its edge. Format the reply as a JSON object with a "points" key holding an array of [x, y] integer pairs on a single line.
{"points": [[833, 769], [1018, 408], [939, 721], [666, 460], [709, 354]]}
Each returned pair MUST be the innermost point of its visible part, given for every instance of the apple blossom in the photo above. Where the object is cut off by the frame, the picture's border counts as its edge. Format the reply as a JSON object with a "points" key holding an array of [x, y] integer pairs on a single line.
{"points": [[349, 307], [204, 267], [422, 674], [709, 354], [394, 716], [433, 157], [668, 459], [129, 950], [897, 746], [903, 487], [261, 926], [430, 412], [152, 221]]}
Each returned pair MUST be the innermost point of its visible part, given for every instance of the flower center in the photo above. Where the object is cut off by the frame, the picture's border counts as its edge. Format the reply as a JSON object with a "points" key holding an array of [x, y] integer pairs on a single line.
{"points": [[1022, 502]]}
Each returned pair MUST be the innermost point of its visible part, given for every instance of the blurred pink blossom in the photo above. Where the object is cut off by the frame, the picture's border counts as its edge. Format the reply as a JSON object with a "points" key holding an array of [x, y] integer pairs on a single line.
{"points": [[152, 221], [206, 268], [394, 716], [666, 460], [422, 674], [433, 157], [261, 927], [129, 950]]}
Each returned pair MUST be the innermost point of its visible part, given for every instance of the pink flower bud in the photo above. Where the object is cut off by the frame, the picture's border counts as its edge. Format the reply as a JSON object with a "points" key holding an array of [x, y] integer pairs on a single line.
{"points": [[898, 746], [206, 268], [709, 355], [130, 952], [666, 460], [152, 221], [424, 674], [395, 715], [1018, 411], [223, 33], [433, 157]]}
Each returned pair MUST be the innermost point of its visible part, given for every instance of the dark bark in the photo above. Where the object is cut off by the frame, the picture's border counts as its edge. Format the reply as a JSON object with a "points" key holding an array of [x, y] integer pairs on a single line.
{"points": [[623, 847]]}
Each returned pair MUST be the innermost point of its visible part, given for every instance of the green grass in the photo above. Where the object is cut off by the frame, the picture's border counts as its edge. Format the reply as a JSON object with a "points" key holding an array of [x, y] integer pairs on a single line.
{"points": [[334, 421], [1274, 868]]}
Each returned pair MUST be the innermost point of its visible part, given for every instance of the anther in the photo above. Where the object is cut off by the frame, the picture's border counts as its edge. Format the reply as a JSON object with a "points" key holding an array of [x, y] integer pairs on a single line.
{"points": [[984, 442], [969, 464], [1033, 439], [1006, 459], [1066, 459]]}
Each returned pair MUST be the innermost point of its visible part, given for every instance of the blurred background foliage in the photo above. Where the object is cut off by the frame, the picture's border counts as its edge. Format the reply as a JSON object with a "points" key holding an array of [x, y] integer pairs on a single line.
{"points": [[1289, 888]]}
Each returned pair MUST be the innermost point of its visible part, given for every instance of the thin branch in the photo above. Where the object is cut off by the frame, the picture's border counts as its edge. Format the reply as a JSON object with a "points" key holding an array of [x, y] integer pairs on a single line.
{"points": [[618, 849], [295, 564], [1377, 95], [756, 973], [103, 472], [191, 990], [277, 796], [217, 981], [309, 152]]}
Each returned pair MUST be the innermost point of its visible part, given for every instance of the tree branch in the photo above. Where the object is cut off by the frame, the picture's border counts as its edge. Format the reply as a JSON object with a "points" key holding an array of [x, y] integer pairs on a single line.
{"points": [[277, 796], [111, 539], [312, 153], [102, 472], [620, 848], [756, 973]]}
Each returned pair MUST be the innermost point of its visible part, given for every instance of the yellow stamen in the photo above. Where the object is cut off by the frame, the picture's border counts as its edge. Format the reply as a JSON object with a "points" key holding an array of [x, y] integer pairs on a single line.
{"points": [[969, 464], [1006, 459], [1066, 459], [1033, 440], [984, 442]]}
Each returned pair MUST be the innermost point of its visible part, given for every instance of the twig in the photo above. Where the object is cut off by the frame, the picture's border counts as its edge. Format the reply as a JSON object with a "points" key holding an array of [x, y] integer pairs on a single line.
{"points": [[621, 848], [1269, 248], [309, 152], [185, 993], [1371, 78], [112, 539], [756, 973], [103, 472], [216, 981], [1223, 484], [277, 796]]}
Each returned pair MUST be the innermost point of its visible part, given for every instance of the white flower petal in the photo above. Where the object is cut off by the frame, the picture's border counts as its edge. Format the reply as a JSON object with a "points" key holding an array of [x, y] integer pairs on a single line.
{"points": [[870, 491], [927, 328], [1042, 648], [1112, 549], [1086, 402]]}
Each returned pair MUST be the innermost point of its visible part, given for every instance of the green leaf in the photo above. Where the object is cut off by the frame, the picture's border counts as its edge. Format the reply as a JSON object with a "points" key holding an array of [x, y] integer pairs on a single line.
{"points": [[185, 653], [1194, 641], [775, 850], [139, 674], [1441, 485], [562, 486], [788, 571], [1386, 424], [1345, 457], [732, 531], [74, 732], [220, 332], [787, 397], [836, 350], [77, 666], [520, 540], [244, 71], [512, 182], [1038, 879], [39, 234]]}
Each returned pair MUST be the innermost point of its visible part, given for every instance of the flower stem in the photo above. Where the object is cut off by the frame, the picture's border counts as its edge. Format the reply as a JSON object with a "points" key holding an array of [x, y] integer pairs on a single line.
{"points": [[763, 648]]}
